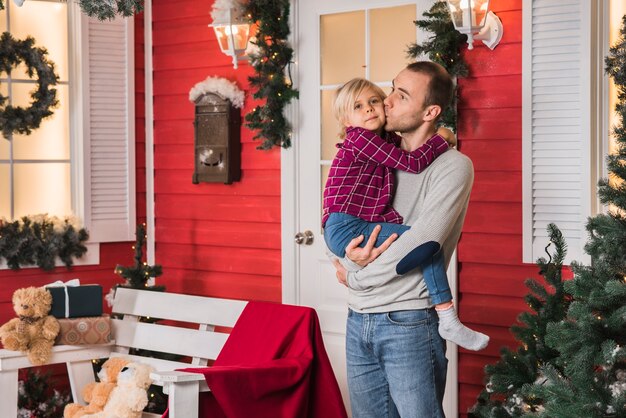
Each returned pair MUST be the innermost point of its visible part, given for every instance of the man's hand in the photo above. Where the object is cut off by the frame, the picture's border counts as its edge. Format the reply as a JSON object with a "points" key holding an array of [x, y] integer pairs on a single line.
{"points": [[448, 135], [342, 273], [364, 256]]}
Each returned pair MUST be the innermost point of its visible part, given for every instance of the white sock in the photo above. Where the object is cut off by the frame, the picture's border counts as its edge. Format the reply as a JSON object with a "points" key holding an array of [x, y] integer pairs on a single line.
{"points": [[451, 329]]}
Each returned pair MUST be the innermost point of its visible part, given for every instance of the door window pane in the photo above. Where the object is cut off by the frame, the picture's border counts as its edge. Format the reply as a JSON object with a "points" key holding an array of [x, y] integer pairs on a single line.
{"points": [[391, 31], [5, 197], [46, 21], [342, 46], [41, 188], [4, 143], [330, 125], [51, 140]]}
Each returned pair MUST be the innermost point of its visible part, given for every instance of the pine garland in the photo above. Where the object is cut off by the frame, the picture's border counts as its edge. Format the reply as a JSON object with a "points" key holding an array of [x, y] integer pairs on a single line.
{"points": [[24, 120], [39, 240], [270, 62], [443, 48], [506, 393], [108, 9]]}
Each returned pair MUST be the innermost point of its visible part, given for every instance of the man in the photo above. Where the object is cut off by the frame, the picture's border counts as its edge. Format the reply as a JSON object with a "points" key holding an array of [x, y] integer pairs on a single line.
{"points": [[395, 355]]}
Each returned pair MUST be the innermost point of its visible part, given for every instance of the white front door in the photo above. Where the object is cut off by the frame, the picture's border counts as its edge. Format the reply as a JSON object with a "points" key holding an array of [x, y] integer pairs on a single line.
{"points": [[334, 40]]}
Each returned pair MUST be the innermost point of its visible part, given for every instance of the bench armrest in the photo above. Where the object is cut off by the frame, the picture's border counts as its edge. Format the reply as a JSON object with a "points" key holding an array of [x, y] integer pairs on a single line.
{"points": [[176, 377]]}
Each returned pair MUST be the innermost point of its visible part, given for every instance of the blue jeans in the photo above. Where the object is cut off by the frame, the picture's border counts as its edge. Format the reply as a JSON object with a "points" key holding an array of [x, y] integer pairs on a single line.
{"points": [[396, 364], [341, 228]]}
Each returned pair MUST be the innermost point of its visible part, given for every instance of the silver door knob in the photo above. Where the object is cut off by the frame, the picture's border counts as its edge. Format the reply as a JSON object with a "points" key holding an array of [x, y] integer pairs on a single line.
{"points": [[305, 238]]}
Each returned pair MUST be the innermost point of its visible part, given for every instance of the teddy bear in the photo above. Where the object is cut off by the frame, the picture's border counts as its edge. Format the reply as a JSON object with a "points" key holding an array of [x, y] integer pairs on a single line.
{"points": [[96, 394], [33, 331], [130, 396]]}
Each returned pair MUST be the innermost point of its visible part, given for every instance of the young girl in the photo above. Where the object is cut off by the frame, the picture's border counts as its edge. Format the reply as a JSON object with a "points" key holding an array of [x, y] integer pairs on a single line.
{"points": [[360, 185]]}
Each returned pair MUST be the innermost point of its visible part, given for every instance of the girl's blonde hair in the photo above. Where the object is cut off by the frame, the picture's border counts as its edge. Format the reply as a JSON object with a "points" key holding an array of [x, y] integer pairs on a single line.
{"points": [[346, 95]]}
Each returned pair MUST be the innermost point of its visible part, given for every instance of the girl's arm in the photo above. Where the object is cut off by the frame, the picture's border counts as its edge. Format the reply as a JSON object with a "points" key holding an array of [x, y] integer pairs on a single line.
{"points": [[444, 204], [369, 147]]}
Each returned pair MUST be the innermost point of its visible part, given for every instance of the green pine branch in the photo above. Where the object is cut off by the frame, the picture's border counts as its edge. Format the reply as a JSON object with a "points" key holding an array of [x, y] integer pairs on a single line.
{"points": [[270, 62], [37, 398], [444, 48], [109, 9]]}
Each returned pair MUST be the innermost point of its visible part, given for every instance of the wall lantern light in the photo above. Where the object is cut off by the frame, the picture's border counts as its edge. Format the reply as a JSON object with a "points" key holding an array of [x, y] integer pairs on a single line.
{"points": [[232, 31], [473, 18]]}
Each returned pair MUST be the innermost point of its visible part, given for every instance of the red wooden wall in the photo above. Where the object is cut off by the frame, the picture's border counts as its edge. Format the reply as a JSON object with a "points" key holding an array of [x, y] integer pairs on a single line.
{"points": [[491, 280], [224, 240], [211, 239]]}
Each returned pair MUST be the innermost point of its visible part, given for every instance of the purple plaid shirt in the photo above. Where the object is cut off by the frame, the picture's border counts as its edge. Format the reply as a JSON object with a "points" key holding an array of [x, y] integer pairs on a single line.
{"points": [[361, 180]]}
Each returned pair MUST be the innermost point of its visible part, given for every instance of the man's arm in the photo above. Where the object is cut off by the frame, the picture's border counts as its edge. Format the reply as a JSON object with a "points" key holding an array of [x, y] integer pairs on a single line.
{"points": [[359, 257], [445, 202]]}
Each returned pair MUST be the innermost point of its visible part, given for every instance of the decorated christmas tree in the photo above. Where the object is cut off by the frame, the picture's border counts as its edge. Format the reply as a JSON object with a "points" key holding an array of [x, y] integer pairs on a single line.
{"points": [[138, 275], [589, 376], [444, 48], [506, 393], [37, 398]]}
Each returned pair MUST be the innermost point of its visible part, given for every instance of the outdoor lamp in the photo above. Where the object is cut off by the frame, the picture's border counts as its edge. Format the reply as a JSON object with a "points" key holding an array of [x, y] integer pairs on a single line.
{"points": [[232, 32], [473, 18]]}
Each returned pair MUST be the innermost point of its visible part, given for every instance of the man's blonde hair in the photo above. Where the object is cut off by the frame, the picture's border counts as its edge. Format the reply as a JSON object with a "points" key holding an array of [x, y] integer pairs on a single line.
{"points": [[346, 95]]}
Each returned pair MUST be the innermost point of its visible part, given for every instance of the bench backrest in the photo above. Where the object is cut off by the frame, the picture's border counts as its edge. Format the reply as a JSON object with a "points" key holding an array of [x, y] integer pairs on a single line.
{"points": [[189, 346]]}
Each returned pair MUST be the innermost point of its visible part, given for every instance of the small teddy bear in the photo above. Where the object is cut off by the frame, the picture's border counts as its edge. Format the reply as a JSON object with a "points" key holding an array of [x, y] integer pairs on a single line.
{"points": [[130, 396], [33, 332], [96, 394]]}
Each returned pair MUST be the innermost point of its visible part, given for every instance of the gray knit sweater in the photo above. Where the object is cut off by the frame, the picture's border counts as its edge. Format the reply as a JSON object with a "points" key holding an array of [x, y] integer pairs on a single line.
{"points": [[434, 203]]}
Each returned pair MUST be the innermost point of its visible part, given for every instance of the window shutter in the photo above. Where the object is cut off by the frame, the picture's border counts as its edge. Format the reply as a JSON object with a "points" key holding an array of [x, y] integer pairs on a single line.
{"points": [[110, 129], [556, 124]]}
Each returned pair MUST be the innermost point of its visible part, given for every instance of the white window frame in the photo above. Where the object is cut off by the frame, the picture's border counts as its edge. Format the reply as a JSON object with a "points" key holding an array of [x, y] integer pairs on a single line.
{"points": [[84, 200]]}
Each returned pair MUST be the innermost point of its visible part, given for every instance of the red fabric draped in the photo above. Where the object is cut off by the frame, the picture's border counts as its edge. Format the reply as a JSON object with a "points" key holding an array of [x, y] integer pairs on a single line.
{"points": [[273, 365]]}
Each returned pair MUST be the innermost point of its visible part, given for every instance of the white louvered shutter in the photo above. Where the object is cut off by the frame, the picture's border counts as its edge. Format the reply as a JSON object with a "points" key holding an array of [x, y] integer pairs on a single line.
{"points": [[110, 113], [556, 124]]}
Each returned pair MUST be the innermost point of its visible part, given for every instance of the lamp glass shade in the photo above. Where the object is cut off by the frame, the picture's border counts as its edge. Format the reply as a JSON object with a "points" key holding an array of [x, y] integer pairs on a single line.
{"points": [[232, 38], [468, 15]]}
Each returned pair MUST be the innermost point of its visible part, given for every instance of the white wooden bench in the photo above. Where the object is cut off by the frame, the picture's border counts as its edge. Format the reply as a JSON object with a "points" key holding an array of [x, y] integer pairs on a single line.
{"points": [[199, 345]]}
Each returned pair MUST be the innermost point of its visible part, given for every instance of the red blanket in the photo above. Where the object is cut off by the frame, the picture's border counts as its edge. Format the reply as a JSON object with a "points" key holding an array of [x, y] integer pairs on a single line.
{"points": [[273, 365]]}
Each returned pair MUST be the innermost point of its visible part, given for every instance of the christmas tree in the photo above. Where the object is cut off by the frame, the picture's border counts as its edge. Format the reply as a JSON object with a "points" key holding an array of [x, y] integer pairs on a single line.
{"points": [[590, 340], [37, 399], [138, 275], [444, 48], [506, 393]]}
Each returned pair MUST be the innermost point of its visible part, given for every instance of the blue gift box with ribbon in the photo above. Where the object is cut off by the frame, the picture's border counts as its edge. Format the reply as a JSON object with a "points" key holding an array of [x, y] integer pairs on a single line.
{"points": [[72, 300]]}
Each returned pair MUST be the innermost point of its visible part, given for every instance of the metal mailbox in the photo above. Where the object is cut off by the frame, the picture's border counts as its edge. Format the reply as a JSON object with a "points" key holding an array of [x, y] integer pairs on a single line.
{"points": [[217, 140]]}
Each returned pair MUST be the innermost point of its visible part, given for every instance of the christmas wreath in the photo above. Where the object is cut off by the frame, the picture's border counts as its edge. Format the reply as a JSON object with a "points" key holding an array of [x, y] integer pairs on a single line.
{"points": [[19, 119]]}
